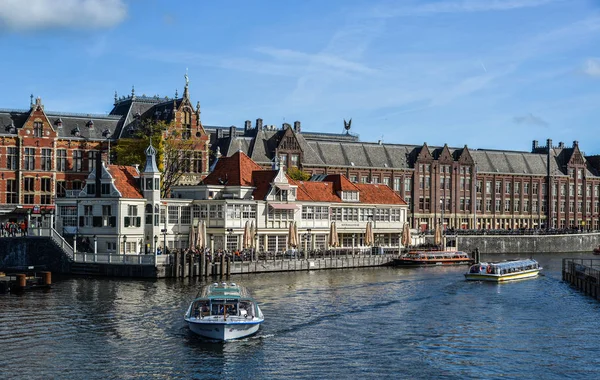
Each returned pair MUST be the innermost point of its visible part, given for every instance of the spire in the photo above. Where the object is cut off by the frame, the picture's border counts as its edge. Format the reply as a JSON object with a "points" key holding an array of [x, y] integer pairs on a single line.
{"points": [[150, 160], [31, 100], [132, 92], [116, 97], [186, 93]]}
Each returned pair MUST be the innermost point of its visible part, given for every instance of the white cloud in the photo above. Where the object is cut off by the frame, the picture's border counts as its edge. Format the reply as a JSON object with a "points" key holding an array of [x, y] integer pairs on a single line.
{"points": [[592, 67], [530, 119], [466, 6], [20, 15]]}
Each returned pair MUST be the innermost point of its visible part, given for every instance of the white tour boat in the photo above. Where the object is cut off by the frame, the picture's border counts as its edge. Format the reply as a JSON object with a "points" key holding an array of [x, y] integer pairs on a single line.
{"points": [[504, 270], [224, 311]]}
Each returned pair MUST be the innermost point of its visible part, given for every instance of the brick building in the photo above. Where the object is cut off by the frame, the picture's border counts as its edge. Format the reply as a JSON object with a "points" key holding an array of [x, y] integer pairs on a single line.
{"points": [[46, 154]]}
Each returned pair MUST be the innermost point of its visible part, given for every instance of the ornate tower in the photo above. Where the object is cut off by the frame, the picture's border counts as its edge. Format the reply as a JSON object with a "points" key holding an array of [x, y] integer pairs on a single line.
{"points": [[150, 182]]}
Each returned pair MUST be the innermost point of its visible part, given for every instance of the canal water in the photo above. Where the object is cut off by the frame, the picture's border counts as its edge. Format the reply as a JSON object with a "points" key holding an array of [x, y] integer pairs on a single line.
{"points": [[361, 323]]}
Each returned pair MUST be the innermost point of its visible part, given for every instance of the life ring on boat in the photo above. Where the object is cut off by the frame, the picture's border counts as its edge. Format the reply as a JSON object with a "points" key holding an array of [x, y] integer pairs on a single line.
{"points": [[489, 269], [481, 268]]}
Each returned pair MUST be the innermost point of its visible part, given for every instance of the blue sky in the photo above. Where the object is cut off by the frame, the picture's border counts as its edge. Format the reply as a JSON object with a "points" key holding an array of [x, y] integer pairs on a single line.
{"points": [[485, 73]]}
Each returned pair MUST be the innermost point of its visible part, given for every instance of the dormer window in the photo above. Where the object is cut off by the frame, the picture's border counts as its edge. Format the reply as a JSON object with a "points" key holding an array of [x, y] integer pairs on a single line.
{"points": [[90, 124], [350, 196], [76, 131], [58, 123]]}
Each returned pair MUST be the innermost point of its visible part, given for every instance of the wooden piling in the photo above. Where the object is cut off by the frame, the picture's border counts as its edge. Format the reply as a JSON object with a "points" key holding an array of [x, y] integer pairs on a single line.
{"points": [[228, 267], [47, 278], [21, 280]]}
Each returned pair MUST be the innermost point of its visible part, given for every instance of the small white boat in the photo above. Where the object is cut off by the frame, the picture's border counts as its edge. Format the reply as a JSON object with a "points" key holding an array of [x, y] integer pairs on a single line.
{"points": [[224, 312], [504, 270]]}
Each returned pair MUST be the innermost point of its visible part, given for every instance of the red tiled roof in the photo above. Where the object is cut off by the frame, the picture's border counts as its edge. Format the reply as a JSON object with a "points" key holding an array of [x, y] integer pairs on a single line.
{"points": [[378, 194], [341, 182], [316, 191], [235, 170], [126, 180], [261, 179]]}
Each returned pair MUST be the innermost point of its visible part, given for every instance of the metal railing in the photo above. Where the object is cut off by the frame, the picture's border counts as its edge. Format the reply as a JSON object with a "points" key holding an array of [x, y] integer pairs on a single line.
{"points": [[55, 236], [112, 258]]}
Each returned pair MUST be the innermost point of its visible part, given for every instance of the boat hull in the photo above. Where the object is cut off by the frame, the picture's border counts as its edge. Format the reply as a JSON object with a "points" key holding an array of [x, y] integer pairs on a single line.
{"points": [[223, 330], [502, 277]]}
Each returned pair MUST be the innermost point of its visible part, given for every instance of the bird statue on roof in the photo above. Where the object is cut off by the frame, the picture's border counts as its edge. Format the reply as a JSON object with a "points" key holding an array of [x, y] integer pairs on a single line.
{"points": [[347, 125]]}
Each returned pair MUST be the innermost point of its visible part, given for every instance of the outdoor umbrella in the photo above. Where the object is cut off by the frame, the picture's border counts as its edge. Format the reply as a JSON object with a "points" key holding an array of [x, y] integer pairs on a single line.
{"points": [[369, 234], [252, 233], [292, 240], [406, 235], [202, 235], [246, 239], [197, 242], [437, 235], [333, 238], [192, 238]]}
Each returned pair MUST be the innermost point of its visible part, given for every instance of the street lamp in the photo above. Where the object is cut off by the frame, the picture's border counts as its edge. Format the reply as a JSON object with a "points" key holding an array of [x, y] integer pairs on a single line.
{"points": [[124, 244], [155, 242]]}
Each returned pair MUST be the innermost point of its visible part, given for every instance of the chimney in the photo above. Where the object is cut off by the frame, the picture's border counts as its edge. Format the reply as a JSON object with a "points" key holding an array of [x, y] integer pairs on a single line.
{"points": [[247, 126], [285, 126], [219, 133], [232, 131], [549, 144], [575, 143], [534, 146], [259, 124], [297, 126], [561, 145]]}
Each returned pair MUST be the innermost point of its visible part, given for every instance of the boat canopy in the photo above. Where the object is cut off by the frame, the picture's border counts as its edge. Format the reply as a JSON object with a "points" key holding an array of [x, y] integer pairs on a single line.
{"points": [[224, 290]]}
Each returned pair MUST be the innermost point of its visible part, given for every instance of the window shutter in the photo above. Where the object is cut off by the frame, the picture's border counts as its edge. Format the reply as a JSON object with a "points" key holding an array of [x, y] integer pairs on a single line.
{"points": [[126, 221], [81, 221], [138, 221], [112, 221]]}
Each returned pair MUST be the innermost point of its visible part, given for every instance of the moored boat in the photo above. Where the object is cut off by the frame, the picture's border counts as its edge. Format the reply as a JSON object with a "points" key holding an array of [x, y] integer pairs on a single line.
{"points": [[224, 311], [597, 250], [426, 258], [504, 270]]}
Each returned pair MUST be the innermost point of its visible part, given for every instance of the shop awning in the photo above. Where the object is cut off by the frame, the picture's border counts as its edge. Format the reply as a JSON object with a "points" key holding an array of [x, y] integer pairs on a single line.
{"points": [[284, 206]]}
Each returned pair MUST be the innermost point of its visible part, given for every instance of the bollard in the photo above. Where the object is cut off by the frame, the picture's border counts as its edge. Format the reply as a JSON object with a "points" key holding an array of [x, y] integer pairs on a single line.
{"points": [[21, 281], [47, 278], [228, 267]]}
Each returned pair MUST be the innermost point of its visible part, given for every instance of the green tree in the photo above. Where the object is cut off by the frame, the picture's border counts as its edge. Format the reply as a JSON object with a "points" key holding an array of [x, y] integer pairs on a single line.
{"points": [[297, 174], [173, 152]]}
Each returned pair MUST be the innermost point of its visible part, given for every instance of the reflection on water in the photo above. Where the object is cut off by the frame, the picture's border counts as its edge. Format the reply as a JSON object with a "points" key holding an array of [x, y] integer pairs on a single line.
{"points": [[401, 322]]}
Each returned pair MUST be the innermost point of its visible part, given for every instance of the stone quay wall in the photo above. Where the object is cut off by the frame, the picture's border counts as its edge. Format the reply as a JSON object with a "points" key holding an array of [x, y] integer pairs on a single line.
{"points": [[581, 242]]}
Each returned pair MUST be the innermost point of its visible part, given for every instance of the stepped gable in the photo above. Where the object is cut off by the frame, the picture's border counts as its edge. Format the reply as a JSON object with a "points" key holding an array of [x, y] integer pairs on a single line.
{"points": [[126, 180], [378, 194], [235, 170]]}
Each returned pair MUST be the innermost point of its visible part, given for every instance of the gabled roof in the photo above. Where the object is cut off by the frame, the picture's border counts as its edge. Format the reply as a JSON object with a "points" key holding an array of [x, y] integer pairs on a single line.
{"points": [[341, 183], [315, 191], [126, 180], [378, 194], [262, 179], [232, 171]]}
